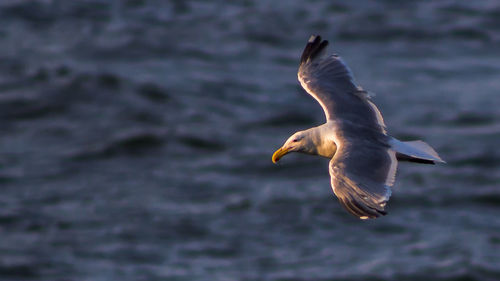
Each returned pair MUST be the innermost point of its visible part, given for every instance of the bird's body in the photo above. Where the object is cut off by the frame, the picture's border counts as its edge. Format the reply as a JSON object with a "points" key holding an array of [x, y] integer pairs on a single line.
{"points": [[363, 156]]}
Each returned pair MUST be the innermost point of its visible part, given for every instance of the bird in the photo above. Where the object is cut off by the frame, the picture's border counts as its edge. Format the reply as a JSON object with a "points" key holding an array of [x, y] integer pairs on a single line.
{"points": [[364, 157]]}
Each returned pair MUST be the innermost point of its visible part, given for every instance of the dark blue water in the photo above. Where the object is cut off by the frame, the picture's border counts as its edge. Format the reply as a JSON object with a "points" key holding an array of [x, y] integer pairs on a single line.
{"points": [[136, 141]]}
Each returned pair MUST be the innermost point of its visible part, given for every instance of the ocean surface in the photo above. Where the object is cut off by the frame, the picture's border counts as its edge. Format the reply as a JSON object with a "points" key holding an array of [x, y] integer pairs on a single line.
{"points": [[136, 140]]}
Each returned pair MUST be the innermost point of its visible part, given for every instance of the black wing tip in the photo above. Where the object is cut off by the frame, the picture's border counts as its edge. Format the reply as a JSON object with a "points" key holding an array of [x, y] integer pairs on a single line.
{"points": [[374, 215], [361, 211], [313, 38], [314, 47]]}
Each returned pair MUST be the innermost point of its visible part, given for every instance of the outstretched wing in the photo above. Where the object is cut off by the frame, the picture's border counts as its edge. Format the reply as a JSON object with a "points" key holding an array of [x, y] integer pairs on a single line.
{"points": [[330, 82], [364, 166], [362, 173]]}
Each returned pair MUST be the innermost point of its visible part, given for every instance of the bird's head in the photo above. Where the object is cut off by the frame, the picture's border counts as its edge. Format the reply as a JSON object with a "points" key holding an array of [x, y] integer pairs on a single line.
{"points": [[298, 142]]}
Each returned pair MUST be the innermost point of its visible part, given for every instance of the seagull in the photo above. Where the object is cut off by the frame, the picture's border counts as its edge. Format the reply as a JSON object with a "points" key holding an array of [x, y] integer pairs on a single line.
{"points": [[364, 158]]}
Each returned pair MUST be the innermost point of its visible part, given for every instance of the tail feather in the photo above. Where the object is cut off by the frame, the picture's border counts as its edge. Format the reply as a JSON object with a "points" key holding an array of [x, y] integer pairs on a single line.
{"points": [[404, 157], [415, 151]]}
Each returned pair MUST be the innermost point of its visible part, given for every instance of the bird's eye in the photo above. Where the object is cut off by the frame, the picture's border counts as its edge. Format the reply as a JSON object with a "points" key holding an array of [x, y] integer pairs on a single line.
{"points": [[295, 140]]}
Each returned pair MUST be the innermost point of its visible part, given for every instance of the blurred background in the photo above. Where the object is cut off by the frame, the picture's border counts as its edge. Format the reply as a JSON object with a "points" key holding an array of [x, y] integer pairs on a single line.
{"points": [[136, 140]]}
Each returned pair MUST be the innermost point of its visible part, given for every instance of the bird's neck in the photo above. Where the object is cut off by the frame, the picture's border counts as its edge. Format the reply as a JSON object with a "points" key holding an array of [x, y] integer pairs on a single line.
{"points": [[321, 138]]}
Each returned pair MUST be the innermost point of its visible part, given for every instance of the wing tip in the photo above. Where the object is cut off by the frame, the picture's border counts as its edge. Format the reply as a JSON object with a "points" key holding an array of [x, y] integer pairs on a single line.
{"points": [[312, 38], [314, 47], [377, 214], [362, 211]]}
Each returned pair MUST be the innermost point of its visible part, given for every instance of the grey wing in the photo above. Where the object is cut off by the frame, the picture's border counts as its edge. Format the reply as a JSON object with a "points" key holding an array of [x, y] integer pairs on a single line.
{"points": [[330, 82], [361, 177], [364, 166]]}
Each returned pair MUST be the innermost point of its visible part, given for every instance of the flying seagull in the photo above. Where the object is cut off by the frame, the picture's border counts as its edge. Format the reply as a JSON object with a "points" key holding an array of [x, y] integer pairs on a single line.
{"points": [[363, 156]]}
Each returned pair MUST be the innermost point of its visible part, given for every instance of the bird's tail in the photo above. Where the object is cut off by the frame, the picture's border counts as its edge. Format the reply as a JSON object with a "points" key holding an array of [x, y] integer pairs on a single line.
{"points": [[415, 151]]}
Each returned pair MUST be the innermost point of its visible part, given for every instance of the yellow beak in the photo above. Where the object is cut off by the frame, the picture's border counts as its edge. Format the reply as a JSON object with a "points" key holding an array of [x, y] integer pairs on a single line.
{"points": [[279, 153]]}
